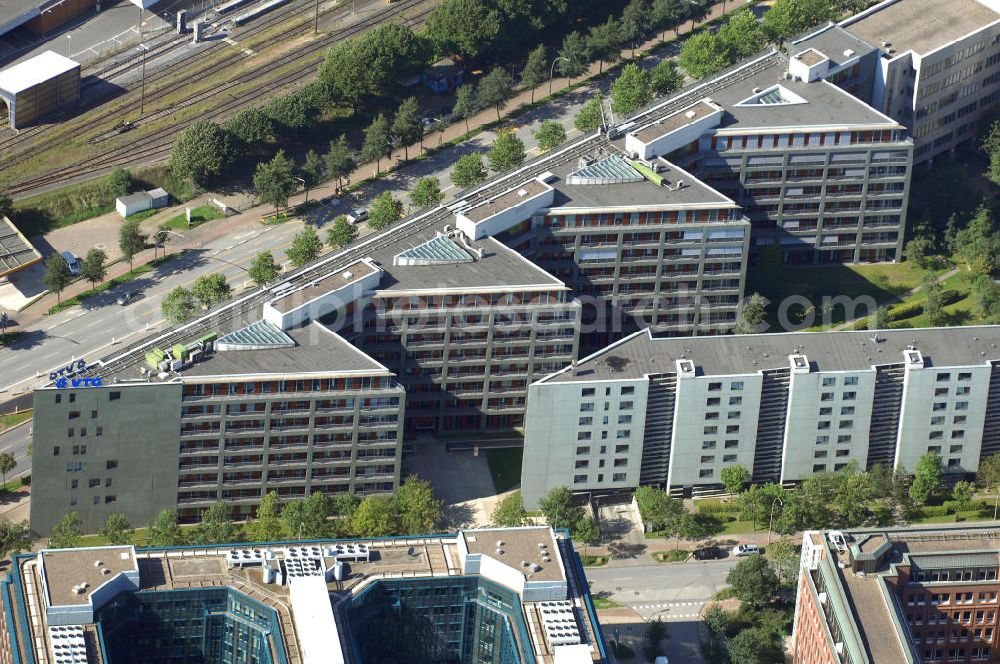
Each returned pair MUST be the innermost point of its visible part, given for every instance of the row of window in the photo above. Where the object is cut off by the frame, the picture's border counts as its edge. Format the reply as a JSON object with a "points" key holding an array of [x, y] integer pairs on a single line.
{"points": [[112, 396], [583, 479], [591, 391], [588, 407]]}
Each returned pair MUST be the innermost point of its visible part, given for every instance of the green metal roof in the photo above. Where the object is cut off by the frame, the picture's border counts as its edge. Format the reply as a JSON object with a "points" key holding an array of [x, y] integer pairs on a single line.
{"points": [[955, 560], [437, 250], [610, 170], [256, 336]]}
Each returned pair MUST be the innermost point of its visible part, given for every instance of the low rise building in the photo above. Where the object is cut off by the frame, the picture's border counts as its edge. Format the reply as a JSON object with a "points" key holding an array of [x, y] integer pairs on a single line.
{"points": [[508, 595], [674, 412], [898, 595]]}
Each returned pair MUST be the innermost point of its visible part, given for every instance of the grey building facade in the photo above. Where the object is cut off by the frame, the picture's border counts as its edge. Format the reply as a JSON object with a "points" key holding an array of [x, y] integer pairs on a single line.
{"points": [[674, 412]]}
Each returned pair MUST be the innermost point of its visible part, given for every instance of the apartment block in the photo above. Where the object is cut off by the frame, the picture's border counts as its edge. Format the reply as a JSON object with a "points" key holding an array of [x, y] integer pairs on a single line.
{"points": [[898, 595], [503, 595], [821, 175], [674, 412], [936, 65]]}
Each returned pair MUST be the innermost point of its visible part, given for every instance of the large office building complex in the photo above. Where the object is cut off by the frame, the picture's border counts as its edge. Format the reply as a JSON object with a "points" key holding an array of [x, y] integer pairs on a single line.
{"points": [[932, 65], [674, 412], [441, 322], [915, 595], [492, 596]]}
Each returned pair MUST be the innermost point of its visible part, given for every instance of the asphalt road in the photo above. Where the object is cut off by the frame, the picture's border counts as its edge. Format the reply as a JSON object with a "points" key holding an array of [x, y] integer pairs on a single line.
{"points": [[673, 592], [17, 440]]}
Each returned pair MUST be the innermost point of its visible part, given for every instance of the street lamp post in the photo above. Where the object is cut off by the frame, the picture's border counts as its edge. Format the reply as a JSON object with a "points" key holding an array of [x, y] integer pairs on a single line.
{"points": [[770, 521], [142, 86], [552, 70], [69, 46], [160, 237]]}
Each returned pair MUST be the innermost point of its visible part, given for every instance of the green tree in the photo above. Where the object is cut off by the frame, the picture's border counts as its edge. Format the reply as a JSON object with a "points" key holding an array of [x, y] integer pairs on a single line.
{"points": [[251, 126], [534, 72], [267, 526], [749, 646], [753, 581], [978, 242], [703, 54], [375, 517], [656, 631], [991, 146], [341, 233], [67, 533], [384, 211], [211, 289], [988, 473], [372, 66], [509, 512], [178, 306], [378, 141], [426, 192], [8, 462], [933, 301], [507, 151], [406, 126], [309, 518], [716, 620], [668, 14], [468, 171], [419, 511], [496, 89], [312, 171], [666, 78], [466, 103], [558, 508], [962, 494], [742, 36], [752, 315], [918, 251], [57, 275], [94, 267], [305, 246], [13, 537], [590, 116], [131, 240], [587, 532], [119, 182], [203, 152], [604, 42], [463, 27], [784, 559], [274, 181], [340, 162], [216, 526], [986, 294], [637, 22], [697, 526], [164, 531], [117, 529], [294, 111], [926, 478], [787, 18], [631, 90], [734, 478], [6, 205], [263, 270], [550, 134], [574, 56]]}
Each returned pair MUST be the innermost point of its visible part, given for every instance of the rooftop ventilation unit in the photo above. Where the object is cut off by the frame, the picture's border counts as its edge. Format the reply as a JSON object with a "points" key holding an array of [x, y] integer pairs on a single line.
{"points": [[521, 193], [848, 53], [690, 114], [348, 275]]}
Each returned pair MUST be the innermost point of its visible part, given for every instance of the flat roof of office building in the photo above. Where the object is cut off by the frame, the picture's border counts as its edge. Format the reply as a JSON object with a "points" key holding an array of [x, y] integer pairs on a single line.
{"points": [[521, 549], [67, 568], [921, 26], [834, 42], [317, 350], [822, 104], [641, 354]]}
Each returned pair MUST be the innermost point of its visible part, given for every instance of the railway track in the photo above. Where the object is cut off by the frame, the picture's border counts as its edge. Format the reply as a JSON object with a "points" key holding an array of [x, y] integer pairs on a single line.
{"points": [[177, 83]]}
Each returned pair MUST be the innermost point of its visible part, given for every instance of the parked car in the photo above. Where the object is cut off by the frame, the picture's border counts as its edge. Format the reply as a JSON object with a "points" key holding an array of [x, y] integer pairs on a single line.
{"points": [[126, 297], [358, 215], [72, 261], [838, 540], [708, 553], [746, 550]]}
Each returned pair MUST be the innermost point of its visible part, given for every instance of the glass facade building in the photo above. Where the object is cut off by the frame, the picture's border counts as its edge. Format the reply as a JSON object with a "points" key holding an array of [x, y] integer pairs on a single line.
{"points": [[458, 620], [200, 626]]}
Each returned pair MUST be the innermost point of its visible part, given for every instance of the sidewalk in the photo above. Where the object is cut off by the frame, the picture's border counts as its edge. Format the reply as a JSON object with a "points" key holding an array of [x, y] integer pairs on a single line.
{"points": [[103, 231]]}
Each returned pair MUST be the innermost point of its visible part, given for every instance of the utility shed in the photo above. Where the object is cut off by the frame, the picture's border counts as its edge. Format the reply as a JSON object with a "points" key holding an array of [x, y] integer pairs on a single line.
{"points": [[37, 87]]}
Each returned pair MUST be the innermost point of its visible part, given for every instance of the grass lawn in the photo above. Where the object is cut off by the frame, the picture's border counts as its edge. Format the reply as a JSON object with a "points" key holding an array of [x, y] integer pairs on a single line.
{"points": [[962, 312], [7, 421], [971, 515], [145, 214], [111, 283], [604, 603], [671, 556], [505, 467], [199, 215], [881, 282], [737, 527], [593, 561]]}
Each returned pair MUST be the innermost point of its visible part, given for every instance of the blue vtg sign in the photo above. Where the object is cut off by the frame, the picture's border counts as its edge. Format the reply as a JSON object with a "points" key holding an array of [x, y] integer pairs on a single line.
{"points": [[62, 377]]}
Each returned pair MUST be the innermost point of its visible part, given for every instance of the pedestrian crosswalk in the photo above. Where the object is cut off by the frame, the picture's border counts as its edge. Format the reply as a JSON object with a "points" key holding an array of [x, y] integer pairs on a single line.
{"points": [[665, 605], [670, 610]]}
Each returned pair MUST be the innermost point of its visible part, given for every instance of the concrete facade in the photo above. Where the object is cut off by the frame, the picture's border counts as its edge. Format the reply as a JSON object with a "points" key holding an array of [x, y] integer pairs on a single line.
{"points": [[783, 406]]}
